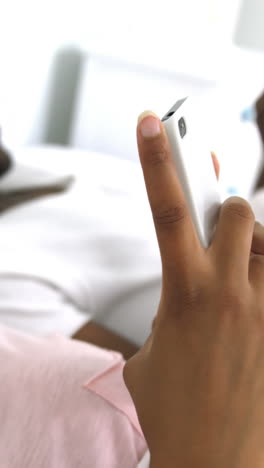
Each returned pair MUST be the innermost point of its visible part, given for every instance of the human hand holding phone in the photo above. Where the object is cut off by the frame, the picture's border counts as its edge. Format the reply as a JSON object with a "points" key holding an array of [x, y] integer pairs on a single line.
{"points": [[198, 382]]}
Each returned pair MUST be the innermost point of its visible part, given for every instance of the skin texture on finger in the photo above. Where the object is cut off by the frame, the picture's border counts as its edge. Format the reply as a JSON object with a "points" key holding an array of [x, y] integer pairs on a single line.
{"points": [[256, 273], [233, 238], [256, 281], [177, 238], [256, 264], [258, 239]]}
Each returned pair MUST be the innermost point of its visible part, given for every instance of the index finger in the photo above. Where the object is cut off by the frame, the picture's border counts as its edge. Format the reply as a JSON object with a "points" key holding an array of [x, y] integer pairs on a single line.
{"points": [[177, 238]]}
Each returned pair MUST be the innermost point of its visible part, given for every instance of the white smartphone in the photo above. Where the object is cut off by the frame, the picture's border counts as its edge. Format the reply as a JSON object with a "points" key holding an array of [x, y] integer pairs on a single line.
{"points": [[194, 165]]}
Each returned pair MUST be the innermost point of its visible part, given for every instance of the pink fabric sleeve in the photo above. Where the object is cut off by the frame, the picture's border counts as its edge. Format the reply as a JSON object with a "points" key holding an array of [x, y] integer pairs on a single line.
{"points": [[110, 386], [64, 404]]}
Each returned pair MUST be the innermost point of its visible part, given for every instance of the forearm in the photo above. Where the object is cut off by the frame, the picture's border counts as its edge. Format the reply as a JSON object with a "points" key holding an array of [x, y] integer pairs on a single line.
{"points": [[174, 462], [163, 464], [100, 336]]}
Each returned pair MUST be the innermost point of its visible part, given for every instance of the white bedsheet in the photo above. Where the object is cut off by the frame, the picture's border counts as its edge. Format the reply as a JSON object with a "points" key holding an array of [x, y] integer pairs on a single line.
{"points": [[95, 244], [37, 307]]}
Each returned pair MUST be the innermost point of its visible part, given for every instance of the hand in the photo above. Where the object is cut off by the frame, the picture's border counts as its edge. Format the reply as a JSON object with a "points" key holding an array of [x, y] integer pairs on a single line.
{"points": [[198, 382], [257, 246]]}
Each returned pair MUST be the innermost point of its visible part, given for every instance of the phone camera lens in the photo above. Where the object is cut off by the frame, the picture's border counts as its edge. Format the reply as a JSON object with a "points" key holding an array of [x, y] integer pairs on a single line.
{"points": [[182, 127]]}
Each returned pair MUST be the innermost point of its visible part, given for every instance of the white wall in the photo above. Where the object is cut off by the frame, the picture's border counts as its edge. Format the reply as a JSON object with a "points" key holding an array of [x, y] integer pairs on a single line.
{"points": [[191, 36], [31, 32], [250, 28]]}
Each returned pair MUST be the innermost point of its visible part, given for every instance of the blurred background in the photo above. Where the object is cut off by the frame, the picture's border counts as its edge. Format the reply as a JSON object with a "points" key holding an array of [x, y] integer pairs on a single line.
{"points": [[78, 73]]}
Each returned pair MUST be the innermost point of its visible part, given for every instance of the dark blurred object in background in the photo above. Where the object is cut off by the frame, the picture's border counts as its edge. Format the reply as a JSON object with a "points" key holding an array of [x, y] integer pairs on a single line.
{"points": [[260, 123], [260, 115], [5, 159]]}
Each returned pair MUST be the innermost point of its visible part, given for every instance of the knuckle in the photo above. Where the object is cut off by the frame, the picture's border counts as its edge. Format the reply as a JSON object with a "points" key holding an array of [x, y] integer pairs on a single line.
{"points": [[158, 155], [170, 216], [191, 296], [232, 300], [240, 208]]}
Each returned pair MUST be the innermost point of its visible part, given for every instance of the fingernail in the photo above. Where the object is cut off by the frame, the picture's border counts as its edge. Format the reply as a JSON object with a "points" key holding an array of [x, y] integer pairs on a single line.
{"points": [[149, 124]]}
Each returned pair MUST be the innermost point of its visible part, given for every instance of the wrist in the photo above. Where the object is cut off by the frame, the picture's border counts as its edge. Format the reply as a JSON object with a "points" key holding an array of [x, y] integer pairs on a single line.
{"points": [[165, 460]]}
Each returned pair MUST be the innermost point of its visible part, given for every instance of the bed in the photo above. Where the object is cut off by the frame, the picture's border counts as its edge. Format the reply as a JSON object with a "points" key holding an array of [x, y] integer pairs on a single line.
{"points": [[91, 248]]}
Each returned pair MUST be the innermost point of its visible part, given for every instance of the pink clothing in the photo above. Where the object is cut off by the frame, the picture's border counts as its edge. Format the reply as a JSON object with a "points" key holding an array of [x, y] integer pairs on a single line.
{"points": [[63, 404]]}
